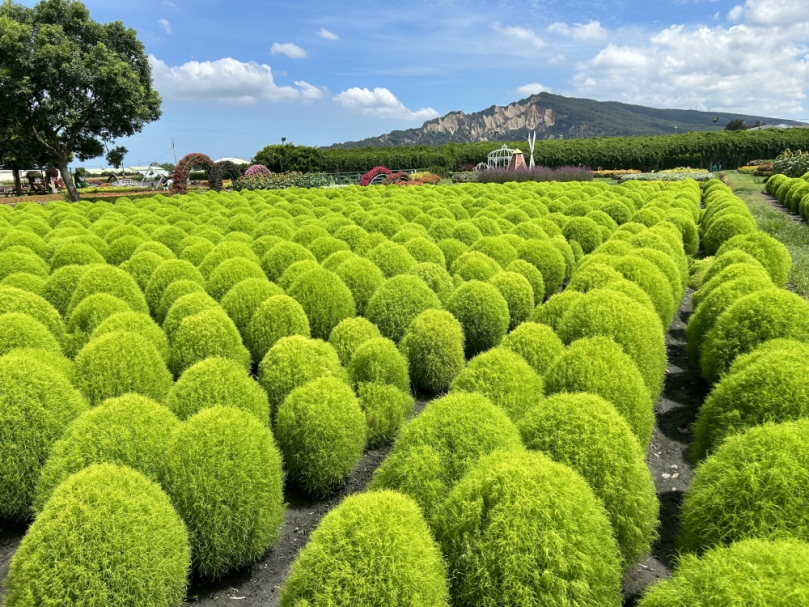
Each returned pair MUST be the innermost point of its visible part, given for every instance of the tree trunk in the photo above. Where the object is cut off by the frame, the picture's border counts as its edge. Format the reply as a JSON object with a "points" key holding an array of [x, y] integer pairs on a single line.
{"points": [[17, 183], [68, 179]]}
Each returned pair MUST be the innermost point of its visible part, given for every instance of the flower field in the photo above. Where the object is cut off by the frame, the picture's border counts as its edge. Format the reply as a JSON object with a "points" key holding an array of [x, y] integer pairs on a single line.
{"points": [[174, 371]]}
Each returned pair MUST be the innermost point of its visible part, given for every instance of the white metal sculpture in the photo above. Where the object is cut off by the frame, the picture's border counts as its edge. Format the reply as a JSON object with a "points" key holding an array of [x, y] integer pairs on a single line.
{"points": [[500, 158], [532, 139]]}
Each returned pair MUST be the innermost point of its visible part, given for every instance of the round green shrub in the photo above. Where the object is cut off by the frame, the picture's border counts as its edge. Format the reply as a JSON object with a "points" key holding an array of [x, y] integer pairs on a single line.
{"points": [[373, 549], [769, 252], [398, 301], [786, 349], [474, 265], [393, 259], [483, 314], [424, 251], [141, 267], [37, 403], [295, 271], [732, 272], [546, 258], [497, 248], [166, 273], [351, 333], [121, 249], [378, 361], [18, 300], [229, 273], [774, 388], [128, 431], [434, 348], [324, 246], [584, 231], [186, 306], [18, 330], [636, 329], [725, 228], [751, 320], [435, 277], [436, 449], [750, 572], [648, 277], [244, 298], [111, 281], [135, 322], [586, 433], [551, 312], [217, 381], [109, 536], [452, 249], [537, 344], [174, 292], [227, 249], [321, 432], [58, 288], [117, 363], [74, 253], [325, 299], [551, 518], [203, 335], [223, 473], [12, 261], [386, 407], [293, 362], [532, 275], [363, 278], [55, 360], [755, 485], [519, 296], [277, 317]]}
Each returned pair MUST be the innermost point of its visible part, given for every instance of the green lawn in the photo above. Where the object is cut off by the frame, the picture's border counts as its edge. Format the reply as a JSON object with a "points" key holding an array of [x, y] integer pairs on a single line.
{"points": [[778, 224]]}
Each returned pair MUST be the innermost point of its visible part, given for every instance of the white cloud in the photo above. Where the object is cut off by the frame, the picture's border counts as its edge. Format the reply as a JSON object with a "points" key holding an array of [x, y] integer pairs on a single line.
{"points": [[169, 4], [735, 14], [556, 59], [324, 33], [380, 103], [780, 13], [579, 31], [227, 80], [520, 34], [619, 58], [165, 25], [534, 88], [293, 51]]}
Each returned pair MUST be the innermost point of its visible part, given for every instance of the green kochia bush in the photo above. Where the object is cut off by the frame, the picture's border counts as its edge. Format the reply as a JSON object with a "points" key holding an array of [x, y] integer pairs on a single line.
{"points": [[437, 448], [17, 300], [373, 549], [135, 322], [756, 485], [18, 330], [59, 287], [243, 299], [483, 314], [174, 292], [378, 361], [599, 366], [552, 311], [532, 275], [350, 334], [385, 407], [108, 536], [276, 317], [321, 432], [223, 474], [560, 549], [537, 344], [230, 273], [186, 306], [363, 278], [203, 335], [769, 252], [585, 432], [217, 381], [546, 258], [120, 362], [398, 301], [746, 573], [785, 349], [325, 299], [519, 296], [434, 348], [129, 431], [36, 405], [166, 273], [112, 281]]}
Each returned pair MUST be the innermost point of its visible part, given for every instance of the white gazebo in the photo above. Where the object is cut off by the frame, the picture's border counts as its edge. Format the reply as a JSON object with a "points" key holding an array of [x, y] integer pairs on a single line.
{"points": [[500, 158]]}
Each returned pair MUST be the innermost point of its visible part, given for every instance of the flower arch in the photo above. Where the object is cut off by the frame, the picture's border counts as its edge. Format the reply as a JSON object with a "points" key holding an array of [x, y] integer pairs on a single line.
{"points": [[222, 169], [186, 165]]}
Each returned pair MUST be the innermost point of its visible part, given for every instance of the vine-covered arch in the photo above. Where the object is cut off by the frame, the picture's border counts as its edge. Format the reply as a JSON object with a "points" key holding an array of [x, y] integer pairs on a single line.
{"points": [[222, 169], [186, 165]]}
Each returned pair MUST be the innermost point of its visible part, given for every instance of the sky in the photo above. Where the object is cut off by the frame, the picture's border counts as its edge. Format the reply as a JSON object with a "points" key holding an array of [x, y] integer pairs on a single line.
{"points": [[241, 74]]}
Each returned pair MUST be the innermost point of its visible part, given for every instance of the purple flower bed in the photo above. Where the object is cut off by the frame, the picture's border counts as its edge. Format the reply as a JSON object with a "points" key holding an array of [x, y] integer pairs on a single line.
{"points": [[568, 173]]}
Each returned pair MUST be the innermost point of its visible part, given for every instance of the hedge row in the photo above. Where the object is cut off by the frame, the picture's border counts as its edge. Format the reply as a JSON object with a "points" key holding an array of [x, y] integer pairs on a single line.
{"points": [[792, 193]]}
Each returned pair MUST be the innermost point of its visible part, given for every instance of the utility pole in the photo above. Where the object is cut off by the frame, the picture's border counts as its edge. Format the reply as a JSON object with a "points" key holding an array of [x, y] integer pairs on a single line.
{"points": [[173, 149]]}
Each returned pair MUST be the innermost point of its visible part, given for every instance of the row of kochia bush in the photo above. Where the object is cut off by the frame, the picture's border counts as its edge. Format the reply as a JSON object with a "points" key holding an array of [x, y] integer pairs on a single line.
{"points": [[209, 288], [793, 193]]}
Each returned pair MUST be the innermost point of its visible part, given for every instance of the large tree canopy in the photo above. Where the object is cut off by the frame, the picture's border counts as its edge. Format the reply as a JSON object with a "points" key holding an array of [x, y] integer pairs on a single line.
{"points": [[71, 83]]}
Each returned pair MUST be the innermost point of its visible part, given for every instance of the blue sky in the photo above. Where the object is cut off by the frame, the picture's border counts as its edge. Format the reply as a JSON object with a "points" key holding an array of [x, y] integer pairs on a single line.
{"points": [[238, 75]]}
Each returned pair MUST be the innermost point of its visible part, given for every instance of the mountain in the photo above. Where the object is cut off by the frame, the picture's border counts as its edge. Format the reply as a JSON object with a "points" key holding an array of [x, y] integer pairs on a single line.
{"points": [[556, 117]]}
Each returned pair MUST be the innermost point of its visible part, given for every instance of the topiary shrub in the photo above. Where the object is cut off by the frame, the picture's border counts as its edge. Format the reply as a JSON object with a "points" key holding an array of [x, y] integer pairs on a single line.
{"points": [[434, 348], [217, 381], [277, 317], [551, 312], [230, 273], [283, 255], [532, 275], [14, 261], [599, 366], [141, 266], [18, 300], [174, 292], [504, 378], [18, 330], [755, 485], [435, 277], [588, 434], [135, 322], [223, 474], [385, 407], [73, 253], [37, 403], [786, 349], [321, 432], [204, 335], [363, 278], [584, 231], [117, 363], [295, 271], [186, 306], [243, 299], [769, 252], [545, 257], [725, 228], [58, 288], [109, 536], [378, 361], [537, 344], [111, 281], [474, 265], [166, 273], [293, 362], [350, 334], [128, 431], [373, 549], [552, 519], [397, 302], [751, 320], [741, 269], [393, 259], [325, 299], [519, 296], [483, 314], [436, 449], [452, 249], [636, 329], [750, 572]]}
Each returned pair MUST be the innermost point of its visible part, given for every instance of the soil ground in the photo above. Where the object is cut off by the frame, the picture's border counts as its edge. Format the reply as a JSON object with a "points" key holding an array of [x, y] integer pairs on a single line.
{"points": [[258, 585]]}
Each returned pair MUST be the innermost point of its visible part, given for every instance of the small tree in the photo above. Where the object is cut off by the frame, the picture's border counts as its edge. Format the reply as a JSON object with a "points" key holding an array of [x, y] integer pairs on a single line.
{"points": [[72, 83], [737, 124], [115, 156]]}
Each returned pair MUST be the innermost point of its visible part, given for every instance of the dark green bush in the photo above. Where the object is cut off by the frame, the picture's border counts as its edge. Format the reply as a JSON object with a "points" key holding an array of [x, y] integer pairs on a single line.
{"points": [[588, 434], [203, 335], [243, 299], [434, 348], [276, 317], [755, 485], [223, 474], [537, 344], [519, 296], [398, 301], [551, 519], [373, 549], [385, 407], [325, 299], [350, 334], [18, 330], [217, 381], [108, 536], [483, 314], [321, 432], [436, 449], [546, 258], [135, 322], [378, 361], [166, 273]]}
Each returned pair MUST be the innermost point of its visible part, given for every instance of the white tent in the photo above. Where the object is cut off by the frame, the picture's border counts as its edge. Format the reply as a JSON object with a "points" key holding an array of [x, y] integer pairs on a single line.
{"points": [[236, 161]]}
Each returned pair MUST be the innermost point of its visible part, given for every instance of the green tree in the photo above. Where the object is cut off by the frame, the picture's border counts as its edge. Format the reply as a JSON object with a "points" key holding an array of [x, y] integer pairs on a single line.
{"points": [[289, 157], [19, 152], [72, 83], [737, 124], [115, 156]]}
